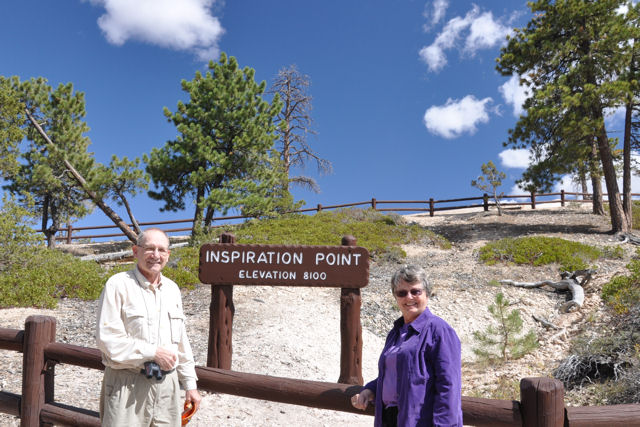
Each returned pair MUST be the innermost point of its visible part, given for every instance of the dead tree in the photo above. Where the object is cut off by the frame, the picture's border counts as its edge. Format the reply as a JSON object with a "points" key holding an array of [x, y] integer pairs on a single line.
{"points": [[570, 282]]}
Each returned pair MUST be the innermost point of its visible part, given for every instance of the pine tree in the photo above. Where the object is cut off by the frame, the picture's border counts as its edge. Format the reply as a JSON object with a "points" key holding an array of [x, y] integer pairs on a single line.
{"points": [[42, 174], [575, 57], [501, 341], [224, 156]]}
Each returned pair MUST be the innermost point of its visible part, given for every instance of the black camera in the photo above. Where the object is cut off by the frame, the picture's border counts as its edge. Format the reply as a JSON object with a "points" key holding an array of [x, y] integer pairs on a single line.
{"points": [[151, 369]]}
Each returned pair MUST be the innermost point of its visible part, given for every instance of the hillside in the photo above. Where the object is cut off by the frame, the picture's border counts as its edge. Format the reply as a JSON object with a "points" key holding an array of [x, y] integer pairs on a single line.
{"points": [[294, 332]]}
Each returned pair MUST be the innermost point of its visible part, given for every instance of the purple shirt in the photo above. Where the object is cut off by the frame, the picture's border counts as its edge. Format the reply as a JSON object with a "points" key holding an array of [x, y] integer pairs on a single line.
{"points": [[428, 374], [390, 380]]}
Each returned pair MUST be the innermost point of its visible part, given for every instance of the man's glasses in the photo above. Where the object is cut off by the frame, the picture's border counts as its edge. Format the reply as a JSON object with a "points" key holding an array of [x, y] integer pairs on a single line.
{"points": [[403, 293], [149, 250]]}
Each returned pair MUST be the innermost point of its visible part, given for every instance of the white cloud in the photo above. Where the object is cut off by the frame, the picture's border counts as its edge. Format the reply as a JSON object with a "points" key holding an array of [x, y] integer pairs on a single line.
{"points": [[434, 57], [433, 54], [515, 158], [484, 32], [457, 116], [439, 7], [180, 25], [514, 94]]}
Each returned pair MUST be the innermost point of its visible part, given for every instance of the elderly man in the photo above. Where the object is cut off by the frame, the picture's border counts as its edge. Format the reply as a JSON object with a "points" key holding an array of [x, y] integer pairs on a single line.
{"points": [[141, 334]]}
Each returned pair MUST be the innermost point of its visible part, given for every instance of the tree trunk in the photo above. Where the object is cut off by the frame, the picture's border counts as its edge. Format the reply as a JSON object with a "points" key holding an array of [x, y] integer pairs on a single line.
{"points": [[135, 224], [583, 186], [197, 216], [596, 180], [626, 168], [83, 183], [618, 219]]}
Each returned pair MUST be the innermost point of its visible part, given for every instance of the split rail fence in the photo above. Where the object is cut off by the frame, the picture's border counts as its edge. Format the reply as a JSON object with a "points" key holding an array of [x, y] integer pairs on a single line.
{"points": [[70, 233], [541, 399]]}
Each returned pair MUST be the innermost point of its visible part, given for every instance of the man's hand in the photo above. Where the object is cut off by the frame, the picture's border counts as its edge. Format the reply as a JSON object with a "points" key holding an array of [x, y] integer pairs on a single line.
{"points": [[362, 399], [165, 358], [194, 397]]}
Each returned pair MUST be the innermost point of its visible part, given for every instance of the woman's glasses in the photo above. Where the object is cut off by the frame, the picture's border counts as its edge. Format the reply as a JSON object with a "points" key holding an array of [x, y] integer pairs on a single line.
{"points": [[403, 293]]}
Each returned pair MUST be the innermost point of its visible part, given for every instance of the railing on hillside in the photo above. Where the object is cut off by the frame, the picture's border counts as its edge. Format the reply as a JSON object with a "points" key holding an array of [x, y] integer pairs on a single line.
{"points": [[541, 399], [532, 199]]}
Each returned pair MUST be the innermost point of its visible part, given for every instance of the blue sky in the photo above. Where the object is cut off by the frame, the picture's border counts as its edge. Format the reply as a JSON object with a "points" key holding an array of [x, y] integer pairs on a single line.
{"points": [[406, 100]]}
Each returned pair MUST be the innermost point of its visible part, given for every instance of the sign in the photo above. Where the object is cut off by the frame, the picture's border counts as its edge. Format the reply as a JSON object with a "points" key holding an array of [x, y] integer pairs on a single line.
{"points": [[276, 265]]}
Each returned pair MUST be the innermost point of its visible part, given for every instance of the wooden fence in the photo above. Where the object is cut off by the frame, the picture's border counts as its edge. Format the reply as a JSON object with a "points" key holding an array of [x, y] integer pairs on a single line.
{"points": [[68, 234], [541, 399]]}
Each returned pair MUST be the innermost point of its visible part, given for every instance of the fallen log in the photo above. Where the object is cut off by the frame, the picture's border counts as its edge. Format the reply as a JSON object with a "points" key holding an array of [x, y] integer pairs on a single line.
{"points": [[569, 283]]}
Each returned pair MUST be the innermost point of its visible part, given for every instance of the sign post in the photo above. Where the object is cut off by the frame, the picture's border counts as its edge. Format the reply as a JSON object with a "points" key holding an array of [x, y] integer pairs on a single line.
{"points": [[226, 264]]}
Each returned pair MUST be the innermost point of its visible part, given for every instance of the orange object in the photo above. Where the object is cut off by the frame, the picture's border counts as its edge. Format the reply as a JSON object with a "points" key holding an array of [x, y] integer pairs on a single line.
{"points": [[189, 410]]}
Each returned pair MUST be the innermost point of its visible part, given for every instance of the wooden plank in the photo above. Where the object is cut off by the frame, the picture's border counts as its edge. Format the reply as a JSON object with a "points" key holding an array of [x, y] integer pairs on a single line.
{"points": [[603, 416], [10, 403], [65, 415], [11, 339], [491, 412], [74, 355], [314, 394]]}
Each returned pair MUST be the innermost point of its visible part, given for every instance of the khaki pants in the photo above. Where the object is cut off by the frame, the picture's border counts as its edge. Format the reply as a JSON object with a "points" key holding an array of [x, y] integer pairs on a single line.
{"points": [[130, 399]]}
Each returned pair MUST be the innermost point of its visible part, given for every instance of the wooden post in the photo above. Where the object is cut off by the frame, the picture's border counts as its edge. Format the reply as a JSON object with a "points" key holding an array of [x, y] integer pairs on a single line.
{"points": [[38, 332], [373, 203], [562, 198], [485, 200], [221, 321], [69, 232], [533, 200], [350, 331], [542, 402], [431, 207]]}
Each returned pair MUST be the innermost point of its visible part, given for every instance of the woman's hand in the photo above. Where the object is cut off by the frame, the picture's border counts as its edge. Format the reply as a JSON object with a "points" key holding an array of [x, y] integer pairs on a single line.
{"points": [[362, 399]]}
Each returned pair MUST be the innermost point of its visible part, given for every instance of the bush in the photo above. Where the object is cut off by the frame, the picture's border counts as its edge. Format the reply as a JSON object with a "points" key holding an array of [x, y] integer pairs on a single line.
{"points": [[623, 292], [183, 266], [48, 275], [381, 234], [536, 251], [17, 237]]}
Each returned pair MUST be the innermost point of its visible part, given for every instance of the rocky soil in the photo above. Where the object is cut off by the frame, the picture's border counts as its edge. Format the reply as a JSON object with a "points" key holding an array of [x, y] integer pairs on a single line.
{"points": [[294, 332]]}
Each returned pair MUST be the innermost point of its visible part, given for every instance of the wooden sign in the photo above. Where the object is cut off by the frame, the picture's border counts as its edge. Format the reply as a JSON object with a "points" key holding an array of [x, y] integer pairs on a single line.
{"points": [[276, 265]]}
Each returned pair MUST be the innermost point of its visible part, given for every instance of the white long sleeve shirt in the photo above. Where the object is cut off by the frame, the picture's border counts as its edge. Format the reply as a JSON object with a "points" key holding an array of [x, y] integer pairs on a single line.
{"points": [[134, 318]]}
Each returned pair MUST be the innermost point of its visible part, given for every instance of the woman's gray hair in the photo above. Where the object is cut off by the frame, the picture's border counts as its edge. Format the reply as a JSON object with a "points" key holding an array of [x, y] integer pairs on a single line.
{"points": [[410, 274]]}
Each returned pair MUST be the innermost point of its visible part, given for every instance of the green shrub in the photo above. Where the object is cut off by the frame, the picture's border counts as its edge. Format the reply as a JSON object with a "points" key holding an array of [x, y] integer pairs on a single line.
{"points": [[381, 234], [183, 266], [17, 237], [48, 275], [623, 292], [539, 251], [635, 208]]}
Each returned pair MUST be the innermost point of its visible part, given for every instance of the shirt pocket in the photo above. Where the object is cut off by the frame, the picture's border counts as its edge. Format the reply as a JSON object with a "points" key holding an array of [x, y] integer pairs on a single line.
{"points": [[134, 321], [176, 323]]}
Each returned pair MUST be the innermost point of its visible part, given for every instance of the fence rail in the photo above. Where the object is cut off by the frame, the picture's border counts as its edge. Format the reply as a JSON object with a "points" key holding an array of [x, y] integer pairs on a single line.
{"points": [[541, 404], [69, 233]]}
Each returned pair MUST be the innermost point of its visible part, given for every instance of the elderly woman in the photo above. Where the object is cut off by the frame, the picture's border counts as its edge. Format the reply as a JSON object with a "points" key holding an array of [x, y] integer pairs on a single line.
{"points": [[419, 371]]}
